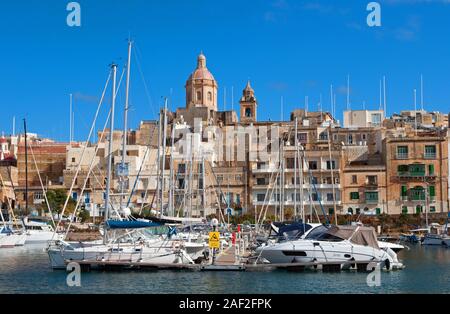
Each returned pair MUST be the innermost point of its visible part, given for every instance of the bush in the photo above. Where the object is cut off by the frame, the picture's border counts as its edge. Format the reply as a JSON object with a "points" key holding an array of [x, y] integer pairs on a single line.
{"points": [[84, 215]]}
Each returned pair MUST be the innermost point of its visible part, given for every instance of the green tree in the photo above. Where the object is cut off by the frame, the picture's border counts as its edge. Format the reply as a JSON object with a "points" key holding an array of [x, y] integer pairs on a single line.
{"points": [[84, 215], [57, 199]]}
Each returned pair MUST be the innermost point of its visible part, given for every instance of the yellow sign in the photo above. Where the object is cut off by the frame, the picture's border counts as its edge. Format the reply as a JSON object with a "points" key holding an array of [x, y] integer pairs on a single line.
{"points": [[214, 240]]}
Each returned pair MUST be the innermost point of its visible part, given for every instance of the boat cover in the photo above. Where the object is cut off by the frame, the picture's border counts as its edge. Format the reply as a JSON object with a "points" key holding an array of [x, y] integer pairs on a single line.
{"points": [[356, 234], [131, 224]]}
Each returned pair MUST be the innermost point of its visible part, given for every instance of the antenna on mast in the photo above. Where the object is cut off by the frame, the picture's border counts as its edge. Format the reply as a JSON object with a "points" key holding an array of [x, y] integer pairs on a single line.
{"points": [[415, 109], [421, 92], [232, 98], [381, 96], [225, 98], [384, 95], [348, 92], [306, 105], [332, 100], [320, 104], [70, 120]]}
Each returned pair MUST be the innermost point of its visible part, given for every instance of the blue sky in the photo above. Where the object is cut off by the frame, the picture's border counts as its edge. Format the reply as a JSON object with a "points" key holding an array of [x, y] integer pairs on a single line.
{"points": [[288, 48]]}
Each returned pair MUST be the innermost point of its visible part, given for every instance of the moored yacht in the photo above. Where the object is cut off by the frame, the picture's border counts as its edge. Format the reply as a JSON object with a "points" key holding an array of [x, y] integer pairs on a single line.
{"points": [[338, 244]]}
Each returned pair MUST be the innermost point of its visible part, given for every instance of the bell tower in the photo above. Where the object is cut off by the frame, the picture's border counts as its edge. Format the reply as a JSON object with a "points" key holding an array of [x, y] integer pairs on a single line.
{"points": [[248, 105]]}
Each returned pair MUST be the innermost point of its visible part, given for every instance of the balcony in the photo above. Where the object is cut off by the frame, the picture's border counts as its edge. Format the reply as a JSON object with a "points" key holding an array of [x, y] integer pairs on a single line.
{"points": [[429, 156]]}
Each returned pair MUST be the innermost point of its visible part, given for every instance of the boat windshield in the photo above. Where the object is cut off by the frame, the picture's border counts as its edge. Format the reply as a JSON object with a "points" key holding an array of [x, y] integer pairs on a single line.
{"points": [[322, 233]]}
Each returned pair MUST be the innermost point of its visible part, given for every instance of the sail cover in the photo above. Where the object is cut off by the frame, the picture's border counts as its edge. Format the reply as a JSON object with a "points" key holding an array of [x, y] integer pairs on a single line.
{"points": [[131, 224], [356, 234]]}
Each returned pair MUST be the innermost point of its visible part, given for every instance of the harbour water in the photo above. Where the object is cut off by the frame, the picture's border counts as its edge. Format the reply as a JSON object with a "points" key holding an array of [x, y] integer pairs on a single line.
{"points": [[26, 270]]}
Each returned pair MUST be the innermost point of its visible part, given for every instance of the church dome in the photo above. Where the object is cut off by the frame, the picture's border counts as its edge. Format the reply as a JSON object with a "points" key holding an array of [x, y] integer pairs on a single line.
{"points": [[202, 72]]}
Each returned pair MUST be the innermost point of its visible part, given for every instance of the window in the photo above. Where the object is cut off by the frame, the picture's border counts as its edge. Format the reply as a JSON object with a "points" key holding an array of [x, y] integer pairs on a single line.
{"points": [[432, 209], [358, 211], [303, 138], [418, 193], [372, 197], [419, 209], [200, 183], [181, 184], [314, 180], [378, 211], [403, 170], [181, 168], [219, 178], [238, 178], [276, 197], [431, 170], [350, 211], [404, 192], [402, 152], [417, 170], [364, 137], [38, 195], [331, 164], [209, 96], [238, 199], [354, 195], [355, 179], [312, 165], [430, 151], [260, 197], [372, 180], [248, 112], [330, 197], [75, 196], [323, 136], [330, 211], [404, 210], [432, 191], [73, 159], [350, 139], [199, 96], [290, 163], [87, 198], [260, 181], [376, 119], [315, 197]]}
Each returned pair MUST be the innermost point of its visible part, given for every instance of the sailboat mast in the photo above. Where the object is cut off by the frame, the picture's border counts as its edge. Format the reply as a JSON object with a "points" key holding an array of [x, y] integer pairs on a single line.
{"points": [[125, 124], [110, 144], [295, 167], [332, 176], [163, 155], [70, 119], [203, 186], [26, 167], [171, 179]]}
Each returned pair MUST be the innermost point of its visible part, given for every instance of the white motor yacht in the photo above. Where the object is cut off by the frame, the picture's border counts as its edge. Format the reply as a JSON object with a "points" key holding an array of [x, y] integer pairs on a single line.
{"points": [[331, 244]]}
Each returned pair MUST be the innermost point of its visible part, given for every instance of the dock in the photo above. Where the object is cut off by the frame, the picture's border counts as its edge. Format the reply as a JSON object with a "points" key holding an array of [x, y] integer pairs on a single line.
{"points": [[227, 260]]}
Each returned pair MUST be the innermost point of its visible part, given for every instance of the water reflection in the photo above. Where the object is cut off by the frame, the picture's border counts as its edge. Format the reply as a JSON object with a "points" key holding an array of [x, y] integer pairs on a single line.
{"points": [[26, 270]]}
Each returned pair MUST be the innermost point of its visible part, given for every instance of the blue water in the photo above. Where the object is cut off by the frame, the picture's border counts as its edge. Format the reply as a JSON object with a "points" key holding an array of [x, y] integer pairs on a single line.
{"points": [[26, 270]]}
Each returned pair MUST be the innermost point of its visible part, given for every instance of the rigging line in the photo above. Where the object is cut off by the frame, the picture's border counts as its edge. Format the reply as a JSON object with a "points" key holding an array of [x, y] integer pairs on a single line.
{"points": [[9, 203], [91, 166], [147, 92], [42, 184], [84, 150]]}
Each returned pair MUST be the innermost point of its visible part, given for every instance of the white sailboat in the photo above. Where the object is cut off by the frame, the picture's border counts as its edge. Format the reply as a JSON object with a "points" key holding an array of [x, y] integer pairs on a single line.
{"points": [[124, 238]]}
